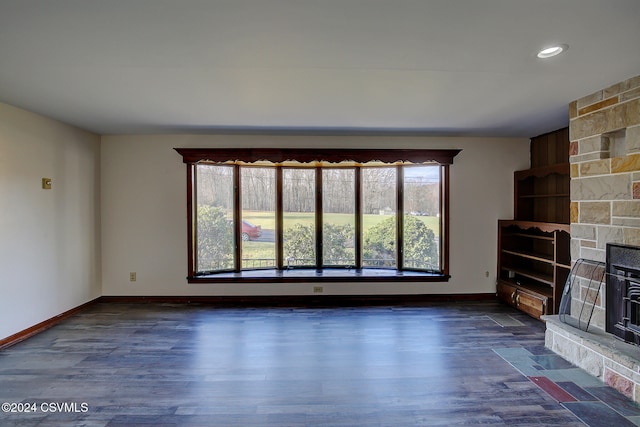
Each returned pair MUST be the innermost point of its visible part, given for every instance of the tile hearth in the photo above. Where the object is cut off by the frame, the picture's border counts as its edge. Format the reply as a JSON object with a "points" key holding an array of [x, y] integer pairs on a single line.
{"points": [[610, 360], [589, 399]]}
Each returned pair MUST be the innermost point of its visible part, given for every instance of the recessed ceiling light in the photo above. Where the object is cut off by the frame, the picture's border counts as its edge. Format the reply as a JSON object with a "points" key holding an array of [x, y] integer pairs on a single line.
{"points": [[552, 51]]}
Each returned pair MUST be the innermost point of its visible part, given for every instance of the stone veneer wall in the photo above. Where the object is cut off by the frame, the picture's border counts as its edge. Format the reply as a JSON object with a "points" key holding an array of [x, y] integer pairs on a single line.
{"points": [[605, 175], [605, 207]]}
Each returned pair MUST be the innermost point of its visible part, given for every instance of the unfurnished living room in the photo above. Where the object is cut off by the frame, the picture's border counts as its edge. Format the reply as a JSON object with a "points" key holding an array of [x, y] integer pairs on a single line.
{"points": [[319, 212]]}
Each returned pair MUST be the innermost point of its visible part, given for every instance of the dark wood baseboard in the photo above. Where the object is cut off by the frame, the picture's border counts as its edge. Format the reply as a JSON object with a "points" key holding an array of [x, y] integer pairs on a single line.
{"points": [[302, 300], [44, 325], [255, 301]]}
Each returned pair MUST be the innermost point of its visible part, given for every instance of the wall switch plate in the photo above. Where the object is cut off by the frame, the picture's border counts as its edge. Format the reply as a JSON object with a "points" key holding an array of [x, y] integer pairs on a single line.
{"points": [[132, 276], [46, 183]]}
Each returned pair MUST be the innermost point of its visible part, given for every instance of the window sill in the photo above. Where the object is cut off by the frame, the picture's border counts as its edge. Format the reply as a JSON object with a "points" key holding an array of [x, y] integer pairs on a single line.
{"points": [[324, 275]]}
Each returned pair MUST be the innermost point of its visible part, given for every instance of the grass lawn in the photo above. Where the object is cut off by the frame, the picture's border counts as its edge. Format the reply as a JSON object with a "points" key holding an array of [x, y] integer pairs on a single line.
{"points": [[259, 250], [267, 219], [253, 250]]}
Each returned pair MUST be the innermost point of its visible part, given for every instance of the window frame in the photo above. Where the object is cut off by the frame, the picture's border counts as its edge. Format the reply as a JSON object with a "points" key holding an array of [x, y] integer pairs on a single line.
{"points": [[194, 156]]}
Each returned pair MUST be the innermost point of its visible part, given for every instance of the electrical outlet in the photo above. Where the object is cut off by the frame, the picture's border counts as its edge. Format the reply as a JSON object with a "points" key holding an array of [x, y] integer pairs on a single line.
{"points": [[318, 289], [486, 274], [132, 276]]}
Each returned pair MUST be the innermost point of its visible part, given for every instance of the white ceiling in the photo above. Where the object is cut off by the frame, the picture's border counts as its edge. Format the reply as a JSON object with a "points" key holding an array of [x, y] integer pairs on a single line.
{"points": [[439, 67]]}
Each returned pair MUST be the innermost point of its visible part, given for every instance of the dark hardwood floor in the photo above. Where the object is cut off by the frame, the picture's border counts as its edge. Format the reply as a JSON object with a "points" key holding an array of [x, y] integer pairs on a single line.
{"points": [[156, 364]]}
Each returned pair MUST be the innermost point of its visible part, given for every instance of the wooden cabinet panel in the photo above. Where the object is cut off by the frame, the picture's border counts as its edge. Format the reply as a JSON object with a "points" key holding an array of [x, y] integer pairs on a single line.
{"points": [[507, 293], [532, 304], [550, 148], [524, 299]]}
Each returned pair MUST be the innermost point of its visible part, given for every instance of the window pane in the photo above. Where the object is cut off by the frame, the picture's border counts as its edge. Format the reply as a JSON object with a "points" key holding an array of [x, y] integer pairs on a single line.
{"points": [[422, 217], [299, 205], [258, 245], [339, 219], [214, 218], [379, 217]]}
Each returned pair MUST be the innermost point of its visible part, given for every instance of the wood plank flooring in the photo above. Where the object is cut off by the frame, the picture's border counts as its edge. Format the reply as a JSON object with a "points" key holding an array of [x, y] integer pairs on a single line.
{"points": [[199, 365]]}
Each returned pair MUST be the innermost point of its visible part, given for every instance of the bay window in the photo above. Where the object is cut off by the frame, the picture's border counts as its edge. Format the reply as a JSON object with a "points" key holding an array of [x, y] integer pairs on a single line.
{"points": [[313, 215]]}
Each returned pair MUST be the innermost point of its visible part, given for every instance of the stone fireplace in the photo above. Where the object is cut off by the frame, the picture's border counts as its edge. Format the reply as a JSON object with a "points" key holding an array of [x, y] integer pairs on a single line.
{"points": [[605, 209]]}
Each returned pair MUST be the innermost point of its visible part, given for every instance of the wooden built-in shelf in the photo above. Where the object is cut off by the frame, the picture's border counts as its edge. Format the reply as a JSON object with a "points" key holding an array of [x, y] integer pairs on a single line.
{"points": [[530, 274], [532, 259], [543, 194], [534, 248], [532, 265]]}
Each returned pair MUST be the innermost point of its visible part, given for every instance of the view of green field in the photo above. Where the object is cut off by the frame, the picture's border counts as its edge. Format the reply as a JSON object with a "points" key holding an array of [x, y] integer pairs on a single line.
{"points": [[265, 250], [267, 219]]}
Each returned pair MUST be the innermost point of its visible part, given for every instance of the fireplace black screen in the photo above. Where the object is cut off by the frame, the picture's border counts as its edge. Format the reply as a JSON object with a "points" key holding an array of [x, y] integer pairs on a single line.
{"points": [[623, 292]]}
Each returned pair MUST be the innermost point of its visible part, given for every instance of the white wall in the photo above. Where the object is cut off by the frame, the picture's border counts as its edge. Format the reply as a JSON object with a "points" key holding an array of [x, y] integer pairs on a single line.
{"points": [[144, 216], [49, 239]]}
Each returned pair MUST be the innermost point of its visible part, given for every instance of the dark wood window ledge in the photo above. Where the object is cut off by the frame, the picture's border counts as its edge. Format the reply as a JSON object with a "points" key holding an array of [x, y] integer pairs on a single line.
{"points": [[301, 275]]}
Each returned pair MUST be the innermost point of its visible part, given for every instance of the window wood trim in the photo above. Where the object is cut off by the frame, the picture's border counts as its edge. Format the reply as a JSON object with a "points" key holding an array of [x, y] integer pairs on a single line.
{"points": [[193, 156], [280, 155]]}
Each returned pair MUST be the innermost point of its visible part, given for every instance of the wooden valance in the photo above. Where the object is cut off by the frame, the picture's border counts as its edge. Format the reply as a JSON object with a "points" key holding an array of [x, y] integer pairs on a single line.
{"points": [[280, 155]]}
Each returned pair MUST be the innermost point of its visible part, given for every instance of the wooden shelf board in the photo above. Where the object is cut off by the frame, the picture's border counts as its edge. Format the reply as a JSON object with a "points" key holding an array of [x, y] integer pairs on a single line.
{"points": [[542, 171], [534, 275], [530, 255], [545, 227], [535, 196], [530, 236]]}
